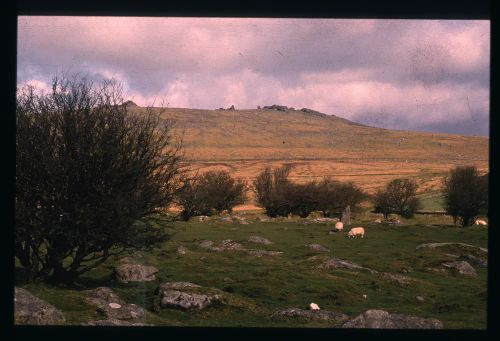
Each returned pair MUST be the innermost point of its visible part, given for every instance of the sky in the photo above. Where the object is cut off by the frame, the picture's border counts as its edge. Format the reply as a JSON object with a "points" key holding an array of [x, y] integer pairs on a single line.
{"points": [[430, 75]]}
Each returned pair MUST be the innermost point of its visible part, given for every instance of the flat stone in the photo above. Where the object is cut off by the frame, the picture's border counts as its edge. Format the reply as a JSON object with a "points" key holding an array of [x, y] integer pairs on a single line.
{"points": [[337, 263], [206, 244], [230, 245], [325, 220], [474, 261], [114, 322], [225, 245], [437, 245], [31, 310], [111, 306], [317, 247], [318, 315], [399, 279], [260, 253], [259, 240], [381, 319], [178, 285], [462, 267], [179, 295], [134, 272]]}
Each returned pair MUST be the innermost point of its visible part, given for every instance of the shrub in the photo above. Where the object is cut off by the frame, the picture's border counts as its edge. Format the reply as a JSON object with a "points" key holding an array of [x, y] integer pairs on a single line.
{"points": [[86, 172], [334, 196], [209, 193], [399, 197], [466, 194], [280, 197], [271, 188]]}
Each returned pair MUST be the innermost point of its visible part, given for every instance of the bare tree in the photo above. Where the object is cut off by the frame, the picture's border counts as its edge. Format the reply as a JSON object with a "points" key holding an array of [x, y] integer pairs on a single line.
{"points": [[86, 173], [399, 196]]}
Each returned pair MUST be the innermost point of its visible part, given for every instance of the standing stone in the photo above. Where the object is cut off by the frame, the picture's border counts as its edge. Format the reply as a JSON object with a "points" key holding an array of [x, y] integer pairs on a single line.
{"points": [[346, 216]]}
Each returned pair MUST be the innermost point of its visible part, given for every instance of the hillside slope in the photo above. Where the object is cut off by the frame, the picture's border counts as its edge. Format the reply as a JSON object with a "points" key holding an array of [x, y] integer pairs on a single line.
{"points": [[244, 141]]}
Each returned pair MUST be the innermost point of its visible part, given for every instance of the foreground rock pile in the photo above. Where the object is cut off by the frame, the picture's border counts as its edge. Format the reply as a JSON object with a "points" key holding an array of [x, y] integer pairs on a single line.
{"points": [[230, 245], [181, 295], [114, 310], [320, 315], [381, 319]]}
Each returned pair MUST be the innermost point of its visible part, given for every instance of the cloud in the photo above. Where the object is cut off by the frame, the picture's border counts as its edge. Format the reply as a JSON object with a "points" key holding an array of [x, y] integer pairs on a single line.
{"points": [[409, 73]]}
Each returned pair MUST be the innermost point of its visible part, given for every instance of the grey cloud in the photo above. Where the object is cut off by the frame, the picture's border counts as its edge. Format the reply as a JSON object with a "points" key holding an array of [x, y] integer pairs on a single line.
{"points": [[153, 54]]}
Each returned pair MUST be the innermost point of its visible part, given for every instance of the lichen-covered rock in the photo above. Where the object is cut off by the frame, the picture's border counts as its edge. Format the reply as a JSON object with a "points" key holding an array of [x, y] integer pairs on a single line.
{"points": [[230, 245], [325, 220], [179, 295], [31, 310], [115, 322], [397, 278], [318, 315], [259, 240], [206, 244], [381, 319], [129, 271], [462, 267], [474, 261], [438, 245], [337, 263], [225, 245], [317, 247], [111, 306], [178, 285], [260, 253]]}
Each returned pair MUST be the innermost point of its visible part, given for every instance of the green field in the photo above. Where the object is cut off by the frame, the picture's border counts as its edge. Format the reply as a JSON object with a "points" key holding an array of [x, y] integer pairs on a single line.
{"points": [[256, 287], [432, 201]]}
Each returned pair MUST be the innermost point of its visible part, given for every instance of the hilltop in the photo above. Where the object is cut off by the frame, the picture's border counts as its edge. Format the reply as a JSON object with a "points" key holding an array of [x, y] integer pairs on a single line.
{"points": [[245, 141]]}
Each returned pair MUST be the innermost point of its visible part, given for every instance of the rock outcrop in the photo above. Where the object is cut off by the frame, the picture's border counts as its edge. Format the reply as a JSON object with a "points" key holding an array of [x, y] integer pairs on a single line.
{"points": [[317, 247], [260, 253], [474, 261], [259, 240], [115, 322], [325, 220], [225, 245], [381, 319], [131, 271], [318, 315], [462, 267], [111, 306], [180, 295], [31, 310], [337, 263], [438, 245]]}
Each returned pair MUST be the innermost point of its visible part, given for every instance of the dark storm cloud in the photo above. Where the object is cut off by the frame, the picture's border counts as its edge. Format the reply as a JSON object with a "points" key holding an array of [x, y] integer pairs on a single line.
{"points": [[413, 74]]}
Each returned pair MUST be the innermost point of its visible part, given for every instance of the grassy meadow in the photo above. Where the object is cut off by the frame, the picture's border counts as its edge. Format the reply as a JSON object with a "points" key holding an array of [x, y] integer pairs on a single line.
{"points": [[243, 142], [256, 287]]}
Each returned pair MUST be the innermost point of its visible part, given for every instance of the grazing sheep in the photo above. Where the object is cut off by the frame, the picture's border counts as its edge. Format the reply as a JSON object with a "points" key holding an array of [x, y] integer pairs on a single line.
{"points": [[313, 306], [339, 226], [356, 231], [480, 222]]}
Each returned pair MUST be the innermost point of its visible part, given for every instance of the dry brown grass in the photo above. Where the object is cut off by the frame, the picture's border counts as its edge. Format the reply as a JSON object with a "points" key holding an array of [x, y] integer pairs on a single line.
{"points": [[244, 142]]}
